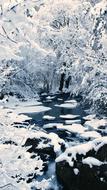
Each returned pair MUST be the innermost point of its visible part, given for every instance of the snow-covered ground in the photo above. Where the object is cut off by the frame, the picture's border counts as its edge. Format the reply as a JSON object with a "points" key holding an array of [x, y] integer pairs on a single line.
{"points": [[18, 166], [67, 105]]}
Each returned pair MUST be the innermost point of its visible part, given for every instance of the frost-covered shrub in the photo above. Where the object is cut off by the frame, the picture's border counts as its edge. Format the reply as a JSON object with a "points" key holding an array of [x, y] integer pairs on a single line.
{"points": [[77, 33]]}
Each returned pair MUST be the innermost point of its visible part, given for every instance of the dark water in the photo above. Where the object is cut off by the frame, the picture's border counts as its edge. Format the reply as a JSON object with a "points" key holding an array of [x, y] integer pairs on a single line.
{"points": [[69, 137], [37, 118]]}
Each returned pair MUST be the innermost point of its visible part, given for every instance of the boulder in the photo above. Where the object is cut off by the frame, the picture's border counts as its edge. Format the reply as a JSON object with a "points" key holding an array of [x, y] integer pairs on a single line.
{"points": [[86, 178], [33, 147], [83, 167]]}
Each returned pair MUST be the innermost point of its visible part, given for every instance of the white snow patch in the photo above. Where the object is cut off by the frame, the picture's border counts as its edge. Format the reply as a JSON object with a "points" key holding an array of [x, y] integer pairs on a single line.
{"points": [[89, 117], [69, 116], [71, 101], [50, 97], [52, 125], [91, 134], [91, 161], [43, 185], [74, 128], [67, 105], [70, 153], [76, 171], [69, 122], [12, 166], [48, 117], [96, 123], [60, 99], [31, 109], [8, 116], [55, 140]]}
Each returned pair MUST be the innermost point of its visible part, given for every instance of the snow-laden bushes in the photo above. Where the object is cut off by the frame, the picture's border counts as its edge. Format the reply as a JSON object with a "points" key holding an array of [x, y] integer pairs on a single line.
{"points": [[77, 33], [33, 66]]}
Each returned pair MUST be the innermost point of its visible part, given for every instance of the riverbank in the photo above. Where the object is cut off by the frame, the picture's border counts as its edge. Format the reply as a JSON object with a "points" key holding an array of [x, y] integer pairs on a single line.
{"points": [[36, 133]]}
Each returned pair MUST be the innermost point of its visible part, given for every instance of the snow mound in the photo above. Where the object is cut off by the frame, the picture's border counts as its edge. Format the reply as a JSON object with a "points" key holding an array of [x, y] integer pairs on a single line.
{"points": [[96, 123], [69, 122], [48, 117], [92, 162], [67, 105], [74, 128], [90, 134], [70, 153], [69, 116]]}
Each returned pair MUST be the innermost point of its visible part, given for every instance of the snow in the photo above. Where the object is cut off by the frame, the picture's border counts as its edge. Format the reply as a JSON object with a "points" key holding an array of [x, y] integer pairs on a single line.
{"points": [[31, 109], [56, 141], [6, 53], [21, 168], [79, 149], [20, 108], [90, 117], [50, 97], [96, 123], [47, 101], [92, 162], [69, 122], [14, 102], [43, 185], [48, 117], [70, 153], [60, 99], [71, 101], [12, 166], [69, 116], [90, 134], [76, 171], [37, 61], [7, 116], [74, 128], [67, 105], [36, 38], [51, 125]]}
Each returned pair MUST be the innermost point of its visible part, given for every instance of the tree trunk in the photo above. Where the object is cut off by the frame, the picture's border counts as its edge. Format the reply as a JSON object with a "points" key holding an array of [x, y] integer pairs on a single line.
{"points": [[67, 82], [62, 82]]}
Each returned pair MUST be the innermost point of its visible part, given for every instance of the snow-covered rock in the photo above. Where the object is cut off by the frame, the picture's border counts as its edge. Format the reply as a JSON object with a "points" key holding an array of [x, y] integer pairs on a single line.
{"points": [[69, 116], [92, 162], [69, 122], [85, 164], [48, 117], [96, 123], [74, 128], [67, 105], [90, 135]]}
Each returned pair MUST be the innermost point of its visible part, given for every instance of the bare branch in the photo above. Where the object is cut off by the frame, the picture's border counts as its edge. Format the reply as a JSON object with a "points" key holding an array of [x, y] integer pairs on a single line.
{"points": [[8, 36], [1, 10]]}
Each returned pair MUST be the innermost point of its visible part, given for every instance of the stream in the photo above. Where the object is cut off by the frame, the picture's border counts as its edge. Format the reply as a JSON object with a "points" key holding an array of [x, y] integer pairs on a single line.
{"points": [[41, 138], [56, 111], [54, 102]]}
